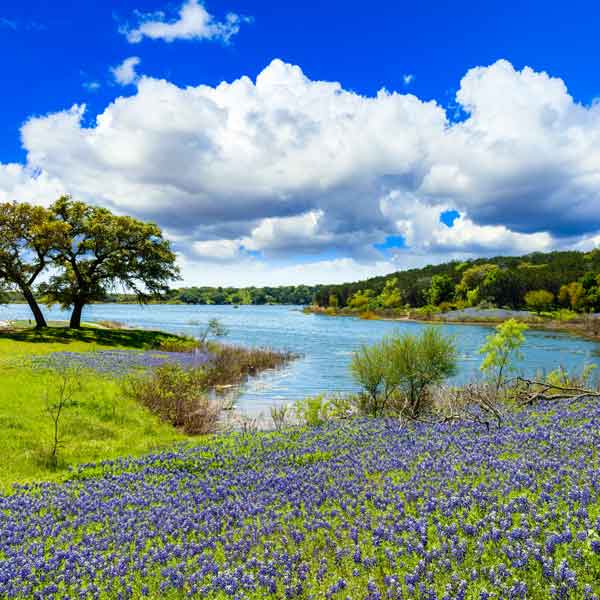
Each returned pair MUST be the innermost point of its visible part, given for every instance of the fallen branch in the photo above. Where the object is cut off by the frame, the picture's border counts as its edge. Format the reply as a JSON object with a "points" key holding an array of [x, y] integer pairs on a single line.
{"points": [[540, 393]]}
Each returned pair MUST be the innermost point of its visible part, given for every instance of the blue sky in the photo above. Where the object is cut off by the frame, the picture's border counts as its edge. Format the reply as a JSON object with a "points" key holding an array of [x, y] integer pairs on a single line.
{"points": [[377, 208]]}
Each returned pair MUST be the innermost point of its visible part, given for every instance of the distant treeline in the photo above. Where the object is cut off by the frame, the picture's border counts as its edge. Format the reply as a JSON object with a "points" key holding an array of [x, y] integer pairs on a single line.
{"points": [[538, 281], [299, 295], [291, 294]]}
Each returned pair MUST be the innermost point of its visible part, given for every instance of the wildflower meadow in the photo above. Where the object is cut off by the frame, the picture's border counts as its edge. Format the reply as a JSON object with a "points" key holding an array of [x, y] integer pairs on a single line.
{"points": [[366, 509]]}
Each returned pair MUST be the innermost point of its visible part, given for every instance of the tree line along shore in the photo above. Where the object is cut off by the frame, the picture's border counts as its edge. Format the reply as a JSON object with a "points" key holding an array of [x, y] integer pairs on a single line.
{"points": [[538, 282]]}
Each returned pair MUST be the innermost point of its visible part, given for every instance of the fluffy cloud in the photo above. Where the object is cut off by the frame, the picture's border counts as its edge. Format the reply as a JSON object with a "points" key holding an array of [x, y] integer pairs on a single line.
{"points": [[194, 22], [527, 156], [284, 166], [218, 250], [421, 226], [125, 73], [23, 184]]}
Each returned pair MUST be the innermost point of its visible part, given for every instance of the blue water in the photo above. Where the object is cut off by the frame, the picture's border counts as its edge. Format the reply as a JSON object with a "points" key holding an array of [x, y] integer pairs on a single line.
{"points": [[326, 343]]}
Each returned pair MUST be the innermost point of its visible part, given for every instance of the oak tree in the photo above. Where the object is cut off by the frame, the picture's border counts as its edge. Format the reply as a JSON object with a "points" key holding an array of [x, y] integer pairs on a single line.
{"points": [[104, 251]]}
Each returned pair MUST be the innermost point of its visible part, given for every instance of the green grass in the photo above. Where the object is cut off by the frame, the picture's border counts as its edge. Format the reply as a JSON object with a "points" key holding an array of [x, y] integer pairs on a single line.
{"points": [[101, 424]]}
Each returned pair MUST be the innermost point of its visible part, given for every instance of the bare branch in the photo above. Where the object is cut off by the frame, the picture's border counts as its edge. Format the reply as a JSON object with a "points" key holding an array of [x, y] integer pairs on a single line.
{"points": [[535, 391]]}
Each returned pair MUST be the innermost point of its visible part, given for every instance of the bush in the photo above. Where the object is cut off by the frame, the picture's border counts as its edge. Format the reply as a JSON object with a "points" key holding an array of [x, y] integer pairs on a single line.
{"points": [[445, 307], [396, 374], [368, 369], [183, 396], [312, 411], [178, 396], [418, 362], [181, 344], [539, 300]]}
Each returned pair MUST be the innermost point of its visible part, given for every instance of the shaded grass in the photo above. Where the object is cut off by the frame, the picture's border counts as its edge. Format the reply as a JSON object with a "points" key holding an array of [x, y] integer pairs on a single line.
{"points": [[21, 341]]}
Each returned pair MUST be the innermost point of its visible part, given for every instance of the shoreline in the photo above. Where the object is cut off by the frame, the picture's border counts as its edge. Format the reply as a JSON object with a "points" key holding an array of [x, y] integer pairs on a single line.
{"points": [[575, 327]]}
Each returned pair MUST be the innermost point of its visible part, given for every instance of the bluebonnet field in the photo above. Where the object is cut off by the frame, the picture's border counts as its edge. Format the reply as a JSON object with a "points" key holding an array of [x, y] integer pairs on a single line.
{"points": [[366, 509], [118, 363]]}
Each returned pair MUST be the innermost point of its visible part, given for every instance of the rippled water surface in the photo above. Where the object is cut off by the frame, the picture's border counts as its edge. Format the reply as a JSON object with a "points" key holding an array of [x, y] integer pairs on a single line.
{"points": [[326, 343]]}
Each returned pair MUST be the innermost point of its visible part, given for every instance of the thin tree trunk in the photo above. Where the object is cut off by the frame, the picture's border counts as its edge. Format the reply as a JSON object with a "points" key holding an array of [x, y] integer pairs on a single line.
{"points": [[76, 315], [40, 321]]}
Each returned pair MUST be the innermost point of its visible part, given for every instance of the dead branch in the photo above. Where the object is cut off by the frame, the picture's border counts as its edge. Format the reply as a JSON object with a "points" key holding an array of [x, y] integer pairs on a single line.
{"points": [[535, 391]]}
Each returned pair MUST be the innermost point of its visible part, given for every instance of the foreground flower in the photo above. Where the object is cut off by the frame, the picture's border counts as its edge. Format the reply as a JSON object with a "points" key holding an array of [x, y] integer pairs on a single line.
{"points": [[361, 510]]}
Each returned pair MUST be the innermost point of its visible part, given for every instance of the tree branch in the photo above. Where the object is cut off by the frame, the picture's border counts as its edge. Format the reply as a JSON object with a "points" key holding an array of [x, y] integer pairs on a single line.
{"points": [[530, 396]]}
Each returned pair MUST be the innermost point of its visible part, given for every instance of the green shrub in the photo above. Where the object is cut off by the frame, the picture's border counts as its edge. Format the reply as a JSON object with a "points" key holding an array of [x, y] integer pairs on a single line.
{"points": [[418, 362], [180, 344], [396, 373], [312, 411], [445, 307], [368, 368]]}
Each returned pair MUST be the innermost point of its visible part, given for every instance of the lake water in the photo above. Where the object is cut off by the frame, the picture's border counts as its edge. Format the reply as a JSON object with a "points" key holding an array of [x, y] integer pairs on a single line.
{"points": [[326, 343]]}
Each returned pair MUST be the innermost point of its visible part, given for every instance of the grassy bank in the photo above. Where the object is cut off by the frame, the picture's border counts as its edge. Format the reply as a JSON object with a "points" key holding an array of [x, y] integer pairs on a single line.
{"points": [[100, 423], [64, 399]]}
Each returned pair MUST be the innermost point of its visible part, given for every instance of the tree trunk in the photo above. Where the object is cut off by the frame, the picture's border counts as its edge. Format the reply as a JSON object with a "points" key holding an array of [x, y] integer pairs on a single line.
{"points": [[40, 321], [75, 322]]}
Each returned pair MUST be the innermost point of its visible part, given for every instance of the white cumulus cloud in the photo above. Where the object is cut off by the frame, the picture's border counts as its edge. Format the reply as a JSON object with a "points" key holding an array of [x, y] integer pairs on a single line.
{"points": [[216, 249], [257, 172], [125, 73], [193, 22]]}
